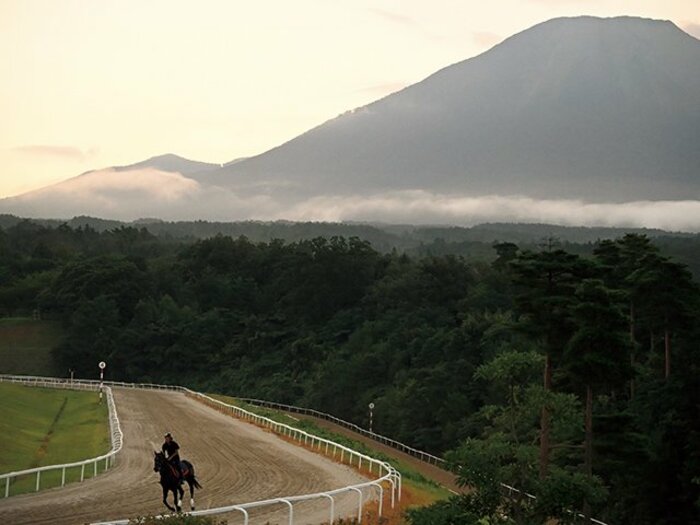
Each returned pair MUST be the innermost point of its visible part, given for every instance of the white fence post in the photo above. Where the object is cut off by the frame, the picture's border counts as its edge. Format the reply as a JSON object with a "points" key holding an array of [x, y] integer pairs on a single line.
{"points": [[359, 504], [245, 515], [393, 491], [332, 518], [381, 497], [400, 484], [291, 510]]}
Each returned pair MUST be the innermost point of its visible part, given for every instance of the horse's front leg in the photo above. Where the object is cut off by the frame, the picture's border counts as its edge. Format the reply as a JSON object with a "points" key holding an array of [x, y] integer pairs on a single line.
{"points": [[165, 499]]}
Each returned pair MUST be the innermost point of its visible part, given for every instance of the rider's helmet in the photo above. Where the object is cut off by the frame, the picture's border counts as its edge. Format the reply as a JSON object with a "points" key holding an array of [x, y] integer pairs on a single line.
{"points": [[168, 435]]}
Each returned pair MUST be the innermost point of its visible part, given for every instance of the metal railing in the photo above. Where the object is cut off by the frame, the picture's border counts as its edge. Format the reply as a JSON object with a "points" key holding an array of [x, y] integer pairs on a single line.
{"points": [[115, 434], [387, 474], [423, 456]]}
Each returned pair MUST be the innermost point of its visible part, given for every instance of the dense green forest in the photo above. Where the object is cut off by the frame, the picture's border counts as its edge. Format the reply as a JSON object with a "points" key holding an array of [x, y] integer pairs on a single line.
{"points": [[567, 370], [473, 243]]}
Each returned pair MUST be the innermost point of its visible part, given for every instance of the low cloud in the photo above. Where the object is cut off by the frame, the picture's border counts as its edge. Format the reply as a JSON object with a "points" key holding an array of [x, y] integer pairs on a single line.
{"points": [[133, 194], [421, 207], [111, 185], [63, 152], [130, 195]]}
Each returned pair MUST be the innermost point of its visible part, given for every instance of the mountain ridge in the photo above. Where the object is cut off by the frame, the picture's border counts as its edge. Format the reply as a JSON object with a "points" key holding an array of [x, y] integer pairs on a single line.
{"points": [[577, 120], [169, 162], [337, 150]]}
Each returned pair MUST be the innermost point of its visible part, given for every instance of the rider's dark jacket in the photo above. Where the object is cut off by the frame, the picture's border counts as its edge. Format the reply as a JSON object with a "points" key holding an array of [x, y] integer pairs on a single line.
{"points": [[171, 451]]}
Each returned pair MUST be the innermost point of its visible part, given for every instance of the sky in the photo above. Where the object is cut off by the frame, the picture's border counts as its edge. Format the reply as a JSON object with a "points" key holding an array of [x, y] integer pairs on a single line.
{"points": [[94, 83]]}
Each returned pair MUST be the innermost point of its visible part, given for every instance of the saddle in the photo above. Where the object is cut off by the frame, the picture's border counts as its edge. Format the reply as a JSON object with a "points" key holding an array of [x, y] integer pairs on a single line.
{"points": [[176, 471]]}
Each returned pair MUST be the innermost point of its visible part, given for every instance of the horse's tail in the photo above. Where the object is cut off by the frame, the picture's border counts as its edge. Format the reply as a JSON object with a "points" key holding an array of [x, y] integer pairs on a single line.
{"points": [[190, 467]]}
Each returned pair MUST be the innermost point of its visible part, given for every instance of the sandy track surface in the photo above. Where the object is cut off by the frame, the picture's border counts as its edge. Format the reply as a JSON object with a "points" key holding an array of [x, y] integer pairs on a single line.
{"points": [[235, 462]]}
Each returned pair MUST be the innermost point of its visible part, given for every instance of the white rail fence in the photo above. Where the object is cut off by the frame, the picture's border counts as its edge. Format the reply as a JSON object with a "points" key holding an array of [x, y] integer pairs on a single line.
{"points": [[295, 433], [423, 456], [388, 477], [115, 434]]}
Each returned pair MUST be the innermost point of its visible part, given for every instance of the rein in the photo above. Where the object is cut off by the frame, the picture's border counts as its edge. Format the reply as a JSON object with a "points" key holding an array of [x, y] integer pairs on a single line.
{"points": [[173, 471]]}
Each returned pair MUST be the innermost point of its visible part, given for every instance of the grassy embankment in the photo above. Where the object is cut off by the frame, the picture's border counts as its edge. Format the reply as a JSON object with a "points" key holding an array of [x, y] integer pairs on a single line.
{"points": [[26, 344], [417, 489], [44, 426]]}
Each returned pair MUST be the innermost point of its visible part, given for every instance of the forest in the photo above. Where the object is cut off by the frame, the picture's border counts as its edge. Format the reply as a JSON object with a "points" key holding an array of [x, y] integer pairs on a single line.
{"points": [[567, 371]]}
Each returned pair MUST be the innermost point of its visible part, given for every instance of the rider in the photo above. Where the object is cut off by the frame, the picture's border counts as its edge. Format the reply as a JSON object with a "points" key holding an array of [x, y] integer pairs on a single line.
{"points": [[172, 452]]}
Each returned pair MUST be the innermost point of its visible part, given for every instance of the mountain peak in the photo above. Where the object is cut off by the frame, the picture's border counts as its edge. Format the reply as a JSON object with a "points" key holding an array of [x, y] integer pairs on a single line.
{"points": [[573, 115], [585, 107], [171, 163]]}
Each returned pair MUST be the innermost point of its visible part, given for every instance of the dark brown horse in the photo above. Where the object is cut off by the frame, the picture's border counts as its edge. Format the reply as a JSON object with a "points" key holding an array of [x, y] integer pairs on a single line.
{"points": [[171, 482]]}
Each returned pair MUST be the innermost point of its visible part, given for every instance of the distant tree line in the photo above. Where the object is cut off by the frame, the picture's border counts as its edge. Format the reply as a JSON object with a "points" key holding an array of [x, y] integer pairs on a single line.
{"points": [[473, 243], [571, 376]]}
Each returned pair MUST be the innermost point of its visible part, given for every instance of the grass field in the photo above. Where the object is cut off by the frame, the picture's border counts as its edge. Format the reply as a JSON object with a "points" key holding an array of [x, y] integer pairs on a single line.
{"points": [[43, 426], [25, 346]]}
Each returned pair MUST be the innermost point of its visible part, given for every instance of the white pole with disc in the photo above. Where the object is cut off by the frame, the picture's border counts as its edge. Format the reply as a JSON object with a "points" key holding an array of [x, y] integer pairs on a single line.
{"points": [[102, 366], [371, 408]]}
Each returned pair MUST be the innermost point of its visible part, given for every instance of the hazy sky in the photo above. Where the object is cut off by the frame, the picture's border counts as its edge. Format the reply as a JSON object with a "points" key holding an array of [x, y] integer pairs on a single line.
{"points": [[94, 83]]}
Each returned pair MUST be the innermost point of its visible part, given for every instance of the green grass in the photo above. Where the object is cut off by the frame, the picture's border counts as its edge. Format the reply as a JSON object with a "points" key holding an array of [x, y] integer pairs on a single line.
{"points": [[26, 344], [410, 476], [44, 426]]}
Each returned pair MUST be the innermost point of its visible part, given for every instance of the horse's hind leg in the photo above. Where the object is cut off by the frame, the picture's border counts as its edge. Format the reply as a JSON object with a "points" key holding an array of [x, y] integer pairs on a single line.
{"points": [[191, 494]]}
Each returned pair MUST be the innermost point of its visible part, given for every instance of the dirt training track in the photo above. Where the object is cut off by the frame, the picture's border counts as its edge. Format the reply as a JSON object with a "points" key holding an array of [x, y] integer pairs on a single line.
{"points": [[235, 462]]}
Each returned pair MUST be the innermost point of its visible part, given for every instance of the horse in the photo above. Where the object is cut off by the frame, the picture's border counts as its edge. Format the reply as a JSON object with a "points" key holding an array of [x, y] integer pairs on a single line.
{"points": [[170, 480]]}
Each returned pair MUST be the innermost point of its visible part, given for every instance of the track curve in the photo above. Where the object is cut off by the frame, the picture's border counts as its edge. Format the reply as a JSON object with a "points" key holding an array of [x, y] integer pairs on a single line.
{"points": [[235, 462]]}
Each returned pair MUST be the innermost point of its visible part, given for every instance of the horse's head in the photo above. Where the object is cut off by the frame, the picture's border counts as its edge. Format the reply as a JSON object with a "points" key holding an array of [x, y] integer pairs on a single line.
{"points": [[158, 461]]}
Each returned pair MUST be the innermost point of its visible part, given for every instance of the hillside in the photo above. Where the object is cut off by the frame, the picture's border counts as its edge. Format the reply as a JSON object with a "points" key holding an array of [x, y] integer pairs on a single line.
{"points": [[590, 108], [450, 351]]}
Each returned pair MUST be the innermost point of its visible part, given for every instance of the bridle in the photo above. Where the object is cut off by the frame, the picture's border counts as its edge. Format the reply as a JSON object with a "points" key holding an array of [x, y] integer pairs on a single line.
{"points": [[162, 461]]}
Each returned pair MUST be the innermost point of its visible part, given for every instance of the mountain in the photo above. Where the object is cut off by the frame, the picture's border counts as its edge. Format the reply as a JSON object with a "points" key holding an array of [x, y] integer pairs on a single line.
{"points": [[576, 121], [589, 108], [161, 186], [170, 163]]}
